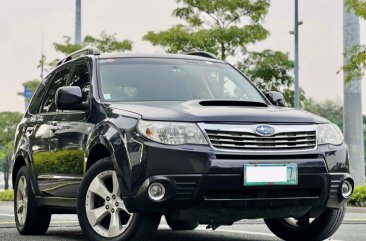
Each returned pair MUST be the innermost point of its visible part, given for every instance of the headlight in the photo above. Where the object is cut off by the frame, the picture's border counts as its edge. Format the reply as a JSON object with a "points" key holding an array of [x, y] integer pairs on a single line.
{"points": [[329, 134], [173, 133]]}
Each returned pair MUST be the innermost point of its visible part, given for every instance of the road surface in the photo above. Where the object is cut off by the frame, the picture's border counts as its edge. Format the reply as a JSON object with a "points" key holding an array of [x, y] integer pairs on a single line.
{"points": [[66, 227]]}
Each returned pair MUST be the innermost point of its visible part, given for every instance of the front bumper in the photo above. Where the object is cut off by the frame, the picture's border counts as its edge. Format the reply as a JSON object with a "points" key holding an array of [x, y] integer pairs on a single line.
{"points": [[197, 178]]}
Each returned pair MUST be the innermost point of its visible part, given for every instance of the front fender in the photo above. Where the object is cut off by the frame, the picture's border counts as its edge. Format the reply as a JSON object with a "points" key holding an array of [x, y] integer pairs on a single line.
{"points": [[117, 142]]}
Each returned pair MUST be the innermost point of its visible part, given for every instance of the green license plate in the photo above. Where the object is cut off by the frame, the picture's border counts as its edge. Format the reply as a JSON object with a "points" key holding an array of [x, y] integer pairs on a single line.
{"points": [[270, 174]]}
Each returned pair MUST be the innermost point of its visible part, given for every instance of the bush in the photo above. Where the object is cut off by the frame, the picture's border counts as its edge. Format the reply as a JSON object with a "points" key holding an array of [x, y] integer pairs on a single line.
{"points": [[7, 195], [359, 197]]}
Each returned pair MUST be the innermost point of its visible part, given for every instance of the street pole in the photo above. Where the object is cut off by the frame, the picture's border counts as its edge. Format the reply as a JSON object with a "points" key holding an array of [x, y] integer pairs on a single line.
{"points": [[296, 67], [78, 22], [352, 113]]}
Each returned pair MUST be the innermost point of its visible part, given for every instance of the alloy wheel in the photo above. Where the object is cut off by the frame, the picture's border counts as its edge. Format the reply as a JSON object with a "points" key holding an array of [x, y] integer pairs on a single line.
{"points": [[105, 209], [22, 200]]}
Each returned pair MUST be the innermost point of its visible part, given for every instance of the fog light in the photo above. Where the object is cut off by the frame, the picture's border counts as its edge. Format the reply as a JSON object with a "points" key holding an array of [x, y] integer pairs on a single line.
{"points": [[156, 191], [346, 189]]}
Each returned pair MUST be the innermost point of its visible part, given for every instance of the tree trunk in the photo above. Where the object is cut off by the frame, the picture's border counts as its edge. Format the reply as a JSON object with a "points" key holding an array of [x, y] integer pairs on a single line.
{"points": [[7, 172]]}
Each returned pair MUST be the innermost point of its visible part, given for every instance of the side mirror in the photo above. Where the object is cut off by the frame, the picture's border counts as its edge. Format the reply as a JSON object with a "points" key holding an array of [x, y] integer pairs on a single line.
{"points": [[276, 98], [70, 98]]}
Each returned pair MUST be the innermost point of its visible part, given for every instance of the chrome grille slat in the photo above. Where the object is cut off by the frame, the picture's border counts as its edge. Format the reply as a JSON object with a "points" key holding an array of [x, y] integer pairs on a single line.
{"points": [[264, 142], [287, 138], [254, 136]]}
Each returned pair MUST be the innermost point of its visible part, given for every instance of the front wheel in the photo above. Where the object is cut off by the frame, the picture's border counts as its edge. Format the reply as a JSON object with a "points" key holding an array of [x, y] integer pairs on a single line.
{"points": [[306, 229], [101, 210]]}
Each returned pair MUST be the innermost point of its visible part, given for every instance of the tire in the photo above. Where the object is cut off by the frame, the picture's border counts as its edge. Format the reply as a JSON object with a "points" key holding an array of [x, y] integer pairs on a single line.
{"points": [[30, 219], [181, 224], [100, 207], [319, 229]]}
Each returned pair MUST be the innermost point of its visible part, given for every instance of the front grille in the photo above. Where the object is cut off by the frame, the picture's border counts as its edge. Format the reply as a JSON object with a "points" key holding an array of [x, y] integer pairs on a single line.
{"points": [[246, 141]]}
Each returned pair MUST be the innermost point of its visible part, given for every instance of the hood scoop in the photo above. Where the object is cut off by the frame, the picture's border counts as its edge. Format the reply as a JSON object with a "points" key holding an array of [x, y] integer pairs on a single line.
{"points": [[234, 103]]}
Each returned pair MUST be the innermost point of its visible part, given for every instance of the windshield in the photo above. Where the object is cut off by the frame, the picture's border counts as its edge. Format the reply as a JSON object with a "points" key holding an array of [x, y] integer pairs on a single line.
{"points": [[153, 79]]}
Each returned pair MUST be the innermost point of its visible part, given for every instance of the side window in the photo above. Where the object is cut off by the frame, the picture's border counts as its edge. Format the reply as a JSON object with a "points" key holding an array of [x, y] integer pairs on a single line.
{"points": [[58, 81], [38, 96], [80, 77]]}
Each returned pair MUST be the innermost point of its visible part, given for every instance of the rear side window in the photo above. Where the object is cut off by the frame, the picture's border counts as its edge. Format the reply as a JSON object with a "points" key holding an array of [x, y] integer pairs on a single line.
{"points": [[80, 77], [38, 96], [58, 81]]}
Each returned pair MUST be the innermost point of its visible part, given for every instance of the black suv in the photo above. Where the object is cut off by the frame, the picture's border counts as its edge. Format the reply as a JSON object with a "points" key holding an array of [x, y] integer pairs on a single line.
{"points": [[122, 139]]}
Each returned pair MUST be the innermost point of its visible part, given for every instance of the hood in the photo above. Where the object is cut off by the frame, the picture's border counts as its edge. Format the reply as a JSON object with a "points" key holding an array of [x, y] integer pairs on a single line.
{"points": [[194, 111]]}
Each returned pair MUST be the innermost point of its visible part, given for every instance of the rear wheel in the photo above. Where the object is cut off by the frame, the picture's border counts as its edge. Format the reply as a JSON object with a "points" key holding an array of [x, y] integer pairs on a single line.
{"points": [[181, 224], [101, 210], [29, 218], [306, 229]]}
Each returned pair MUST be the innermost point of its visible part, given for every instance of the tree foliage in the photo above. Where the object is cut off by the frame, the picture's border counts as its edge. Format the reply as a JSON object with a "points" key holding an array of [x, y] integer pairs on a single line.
{"points": [[8, 125], [359, 6], [269, 70], [356, 66], [213, 26], [331, 110], [272, 71], [105, 43]]}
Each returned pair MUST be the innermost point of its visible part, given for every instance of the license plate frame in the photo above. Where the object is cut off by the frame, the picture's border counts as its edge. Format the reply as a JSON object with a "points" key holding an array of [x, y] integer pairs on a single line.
{"points": [[281, 174]]}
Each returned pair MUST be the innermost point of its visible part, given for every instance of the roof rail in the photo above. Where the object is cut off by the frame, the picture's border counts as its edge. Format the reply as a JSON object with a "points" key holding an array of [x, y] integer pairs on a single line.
{"points": [[202, 54], [79, 53]]}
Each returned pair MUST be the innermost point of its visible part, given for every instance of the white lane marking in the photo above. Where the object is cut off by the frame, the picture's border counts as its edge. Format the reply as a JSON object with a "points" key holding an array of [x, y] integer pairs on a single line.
{"points": [[239, 232], [6, 215]]}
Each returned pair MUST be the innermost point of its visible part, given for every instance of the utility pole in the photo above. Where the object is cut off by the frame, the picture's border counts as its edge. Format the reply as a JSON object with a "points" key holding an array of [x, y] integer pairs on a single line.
{"points": [[78, 22], [352, 114], [43, 57], [296, 67]]}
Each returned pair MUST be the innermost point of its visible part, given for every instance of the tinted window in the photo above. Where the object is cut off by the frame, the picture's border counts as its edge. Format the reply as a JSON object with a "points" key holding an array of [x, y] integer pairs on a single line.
{"points": [[80, 77], [173, 80], [58, 81], [38, 96]]}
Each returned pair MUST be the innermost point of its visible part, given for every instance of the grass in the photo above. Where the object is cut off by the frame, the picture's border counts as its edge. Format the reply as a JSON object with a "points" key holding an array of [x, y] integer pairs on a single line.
{"points": [[7, 195], [359, 197]]}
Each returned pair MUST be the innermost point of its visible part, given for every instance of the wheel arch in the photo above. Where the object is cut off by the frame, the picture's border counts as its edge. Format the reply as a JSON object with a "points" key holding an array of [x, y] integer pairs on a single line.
{"points": [[107, 140], [96, 153], [19, 162]]}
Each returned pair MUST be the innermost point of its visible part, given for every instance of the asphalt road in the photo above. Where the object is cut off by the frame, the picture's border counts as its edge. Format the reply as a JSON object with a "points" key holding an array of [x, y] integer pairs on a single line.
{"points": [[66, 227]]}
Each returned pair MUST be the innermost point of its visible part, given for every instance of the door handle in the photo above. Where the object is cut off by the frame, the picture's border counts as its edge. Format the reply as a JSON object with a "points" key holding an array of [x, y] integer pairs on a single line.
{"points": [[56, 128], [30, 129]]}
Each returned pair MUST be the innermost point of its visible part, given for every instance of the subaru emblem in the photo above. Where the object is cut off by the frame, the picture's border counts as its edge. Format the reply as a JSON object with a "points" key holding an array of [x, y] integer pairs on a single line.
{"points": [[265, 130]]}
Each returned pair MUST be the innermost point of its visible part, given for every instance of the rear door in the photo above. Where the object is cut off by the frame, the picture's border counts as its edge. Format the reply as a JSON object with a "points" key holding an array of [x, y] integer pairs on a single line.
{"points": [[44, 165], [36, 128], [69, 133]]}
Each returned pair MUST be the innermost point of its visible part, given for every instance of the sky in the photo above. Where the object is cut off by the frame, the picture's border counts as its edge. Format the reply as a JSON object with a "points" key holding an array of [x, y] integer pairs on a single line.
{"points": [[25, 24]]}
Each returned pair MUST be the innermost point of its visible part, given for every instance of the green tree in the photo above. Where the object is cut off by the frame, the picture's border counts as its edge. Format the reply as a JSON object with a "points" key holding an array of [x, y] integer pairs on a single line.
{"points": [[225, 27], [105, 43], [356, 68], [8, 124], [271, 71], [214, 26], [331, 110]]}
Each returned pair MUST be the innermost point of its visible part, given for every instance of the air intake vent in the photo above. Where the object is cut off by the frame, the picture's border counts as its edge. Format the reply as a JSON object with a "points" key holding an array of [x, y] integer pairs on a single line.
{"points": [[234, 103]]}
